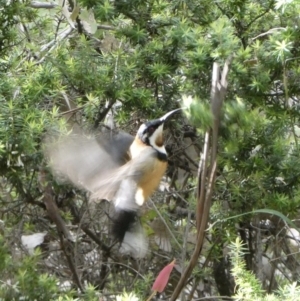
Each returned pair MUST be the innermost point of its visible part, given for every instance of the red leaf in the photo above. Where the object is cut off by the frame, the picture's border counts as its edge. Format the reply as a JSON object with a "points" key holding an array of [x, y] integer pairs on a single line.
{"points": [[163, 277]]}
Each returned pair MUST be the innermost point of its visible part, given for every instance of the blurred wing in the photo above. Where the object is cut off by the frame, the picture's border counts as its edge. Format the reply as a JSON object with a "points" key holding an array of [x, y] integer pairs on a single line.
{"points": [[117, 146], [83, 160], [94, 164]]}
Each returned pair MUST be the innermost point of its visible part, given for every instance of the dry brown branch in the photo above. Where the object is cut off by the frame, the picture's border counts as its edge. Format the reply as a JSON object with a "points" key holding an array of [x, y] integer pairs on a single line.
{"points": [[206, 172], [68, 249], [66, 240]]}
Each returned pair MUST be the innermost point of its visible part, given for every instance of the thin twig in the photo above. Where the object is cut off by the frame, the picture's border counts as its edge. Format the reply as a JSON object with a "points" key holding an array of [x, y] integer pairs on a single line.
{"points": [[102, 113], [37, 4], [185, 240], [106, 27], [213, 298], [166, 225], [271, 31], [86, 230], [47, 48], [72, 110]]}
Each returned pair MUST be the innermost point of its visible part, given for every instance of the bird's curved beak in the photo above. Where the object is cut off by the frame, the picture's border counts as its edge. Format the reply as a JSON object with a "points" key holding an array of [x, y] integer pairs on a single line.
{"points": [[167, 115]]}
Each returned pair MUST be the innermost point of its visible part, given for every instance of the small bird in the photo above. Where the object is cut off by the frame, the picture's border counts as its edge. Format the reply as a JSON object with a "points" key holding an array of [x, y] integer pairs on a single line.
{"points": [[118, 168]]}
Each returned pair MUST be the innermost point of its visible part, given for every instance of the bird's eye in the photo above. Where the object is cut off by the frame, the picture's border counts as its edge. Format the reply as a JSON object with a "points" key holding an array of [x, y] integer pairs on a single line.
{"points": [[151, 130]]}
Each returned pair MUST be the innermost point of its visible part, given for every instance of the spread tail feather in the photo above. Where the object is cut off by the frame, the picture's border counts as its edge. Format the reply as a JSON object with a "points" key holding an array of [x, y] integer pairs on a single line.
{"points": [[128, 230], [123, 221], [135, 243]]}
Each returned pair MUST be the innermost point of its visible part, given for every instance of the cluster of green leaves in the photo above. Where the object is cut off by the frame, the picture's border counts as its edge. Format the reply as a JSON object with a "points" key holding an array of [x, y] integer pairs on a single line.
{"points": [[21, 280], [7, 31], [248, 286], [260, 159], [18, 278]]}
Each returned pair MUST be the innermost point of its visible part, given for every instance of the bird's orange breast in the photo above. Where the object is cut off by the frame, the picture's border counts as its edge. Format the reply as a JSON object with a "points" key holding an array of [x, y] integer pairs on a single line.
{"points": [[151, 180], [152, 168]]}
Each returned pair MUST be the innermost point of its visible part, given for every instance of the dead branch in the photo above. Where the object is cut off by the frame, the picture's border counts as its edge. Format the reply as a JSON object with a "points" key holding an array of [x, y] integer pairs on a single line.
{"points": [[66, 239], [206, 172]]}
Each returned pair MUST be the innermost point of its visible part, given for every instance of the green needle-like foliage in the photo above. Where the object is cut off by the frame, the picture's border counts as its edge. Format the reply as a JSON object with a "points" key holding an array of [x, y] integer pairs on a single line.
{"points": [[64, 64]]}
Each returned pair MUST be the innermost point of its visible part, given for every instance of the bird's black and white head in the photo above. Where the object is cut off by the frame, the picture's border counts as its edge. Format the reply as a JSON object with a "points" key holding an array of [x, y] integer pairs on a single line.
{"points": [[151, 132]]}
